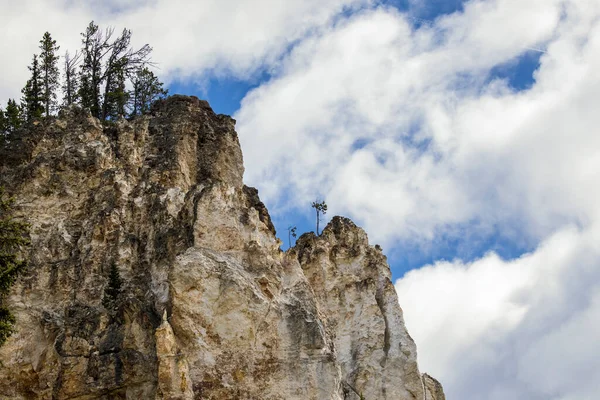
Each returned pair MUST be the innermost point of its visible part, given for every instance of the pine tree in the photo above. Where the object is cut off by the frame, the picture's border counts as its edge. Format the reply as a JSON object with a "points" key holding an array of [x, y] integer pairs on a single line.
{"points": [[116, 96], [291, 233], [49, 72], [12, 239], [13, 116], [71, 83], [3, 127], [146, 90], [33, 94], [3, 123], [108, 64], [320, 208], [113, 288], [122, 62], [95, 47]]}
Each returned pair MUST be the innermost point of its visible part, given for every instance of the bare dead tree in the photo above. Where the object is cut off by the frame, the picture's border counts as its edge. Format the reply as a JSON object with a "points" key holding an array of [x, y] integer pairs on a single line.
{"points": [[71, 82], [123, 61]]}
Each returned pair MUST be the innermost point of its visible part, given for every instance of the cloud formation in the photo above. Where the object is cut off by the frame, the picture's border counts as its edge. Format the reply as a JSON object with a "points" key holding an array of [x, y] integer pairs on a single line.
{"points": [[404, 130], [410, 132], [191, 39], [520, 329]]}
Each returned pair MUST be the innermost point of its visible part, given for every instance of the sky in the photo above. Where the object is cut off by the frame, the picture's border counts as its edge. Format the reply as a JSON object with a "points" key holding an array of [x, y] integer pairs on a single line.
{"points": [[461, 135]]}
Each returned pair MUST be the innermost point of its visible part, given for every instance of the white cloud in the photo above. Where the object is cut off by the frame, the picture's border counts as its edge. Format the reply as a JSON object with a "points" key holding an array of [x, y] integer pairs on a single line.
{"points": [[403, 131], [527, 327], [439, 145], [190, 38]]}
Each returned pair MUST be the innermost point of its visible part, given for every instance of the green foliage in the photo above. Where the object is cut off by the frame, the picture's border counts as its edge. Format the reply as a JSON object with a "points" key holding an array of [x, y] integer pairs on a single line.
{"points": [[116, 96], [33, 93], [13, 116], [71, 83], [10, 120], [3, 127], [109, 64], [320, 209], [12, 239], [97, 78], [122, 62], [113, 288], [49, 72], [146, 90], [7, 324], [95, 45]]}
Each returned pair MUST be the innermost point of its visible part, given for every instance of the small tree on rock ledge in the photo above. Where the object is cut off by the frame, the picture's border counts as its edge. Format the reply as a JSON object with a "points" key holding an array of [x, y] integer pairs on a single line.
{"points": [[113, 288], [320, 208]]}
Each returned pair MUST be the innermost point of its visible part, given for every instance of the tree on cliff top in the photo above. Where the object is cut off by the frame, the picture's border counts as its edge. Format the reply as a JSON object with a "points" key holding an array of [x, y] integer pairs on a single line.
{"points": [[3, 125], [320, 208], [108, 76], [71, 83], [10, 120], [146, 90], [12, 239], [33, 92], [95, 46], [123, 61], [107, 63], [49, 72], [13, 115]]}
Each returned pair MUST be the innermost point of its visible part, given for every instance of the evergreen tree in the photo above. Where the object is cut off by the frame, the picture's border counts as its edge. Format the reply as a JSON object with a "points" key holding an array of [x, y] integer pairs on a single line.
{"points": [[3, 122], [71, 82], [320, 208], [291, 233], [33, 94], [49, 72], [12, 239], [3, 127], [108, 64], [10, 121], [113, 288], [146, 90], [122, 62], [13, 116], [116, 97], [95, 47]]}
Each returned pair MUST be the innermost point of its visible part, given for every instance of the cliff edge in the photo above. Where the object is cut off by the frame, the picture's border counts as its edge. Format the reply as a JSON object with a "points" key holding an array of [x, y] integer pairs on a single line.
{"points": [[207, 305]]}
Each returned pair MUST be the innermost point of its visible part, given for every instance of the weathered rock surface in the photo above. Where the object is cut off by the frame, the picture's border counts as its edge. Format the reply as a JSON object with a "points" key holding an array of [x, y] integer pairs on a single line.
{"points": [[210, 307]]}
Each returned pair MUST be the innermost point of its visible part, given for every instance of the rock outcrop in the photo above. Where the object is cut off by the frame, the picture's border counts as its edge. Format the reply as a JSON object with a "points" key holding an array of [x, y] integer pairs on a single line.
{"points": [[209, 306]]}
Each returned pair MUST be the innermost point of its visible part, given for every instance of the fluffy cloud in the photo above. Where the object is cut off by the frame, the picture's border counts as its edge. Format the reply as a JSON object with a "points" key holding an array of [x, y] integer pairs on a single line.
{"points": [[400, 129], [410, 133], [520, 329], [190, 38]]}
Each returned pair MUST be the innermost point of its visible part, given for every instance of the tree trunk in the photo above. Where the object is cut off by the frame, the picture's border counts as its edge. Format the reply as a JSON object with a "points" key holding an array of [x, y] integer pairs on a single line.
{"points": [[69, 89], [317, 222], [105, 102], [47, 91]]}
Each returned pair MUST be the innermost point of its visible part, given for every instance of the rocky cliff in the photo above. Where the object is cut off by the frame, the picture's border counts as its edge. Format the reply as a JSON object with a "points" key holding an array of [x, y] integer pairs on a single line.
{"points": [[207, 306]]}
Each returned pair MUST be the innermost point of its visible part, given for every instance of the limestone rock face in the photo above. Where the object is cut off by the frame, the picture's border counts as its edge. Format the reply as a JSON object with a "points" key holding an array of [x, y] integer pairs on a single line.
{"points": [[209, 306]]}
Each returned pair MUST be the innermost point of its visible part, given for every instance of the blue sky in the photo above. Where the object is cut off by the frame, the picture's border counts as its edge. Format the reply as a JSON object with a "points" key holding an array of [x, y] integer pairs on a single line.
{"points": [[226, 93], [461, 135]]}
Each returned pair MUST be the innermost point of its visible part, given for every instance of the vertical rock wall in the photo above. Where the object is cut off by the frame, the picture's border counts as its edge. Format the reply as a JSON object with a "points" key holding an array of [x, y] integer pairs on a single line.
{"points": [[210, 308]]}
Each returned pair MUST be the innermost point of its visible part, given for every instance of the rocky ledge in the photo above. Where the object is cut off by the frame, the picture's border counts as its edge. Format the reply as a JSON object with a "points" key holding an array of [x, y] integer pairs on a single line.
{"points": [[206, 305]]}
